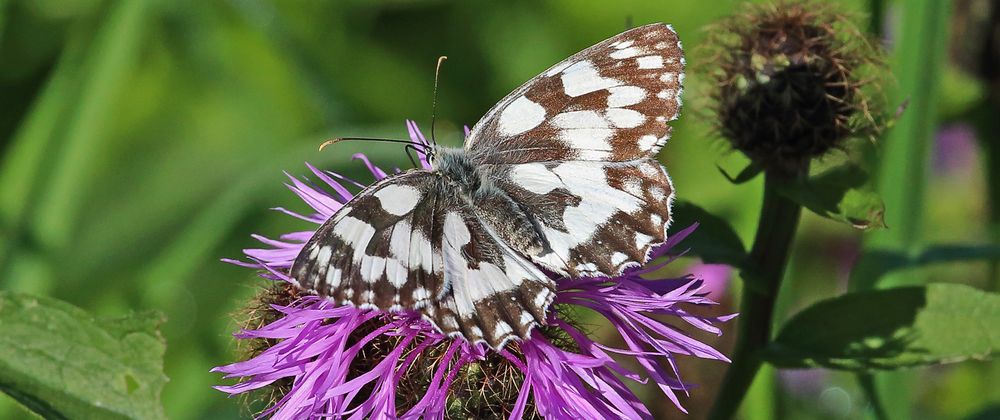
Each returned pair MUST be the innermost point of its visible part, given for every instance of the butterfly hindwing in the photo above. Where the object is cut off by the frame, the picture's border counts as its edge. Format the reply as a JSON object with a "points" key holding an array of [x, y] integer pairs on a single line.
{"points": [[609, 102], [498, 294], [598, 218], [411, 242]]}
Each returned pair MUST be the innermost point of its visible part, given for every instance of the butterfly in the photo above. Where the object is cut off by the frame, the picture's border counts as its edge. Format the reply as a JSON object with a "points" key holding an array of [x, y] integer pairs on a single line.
{"points": [[559, 177]]}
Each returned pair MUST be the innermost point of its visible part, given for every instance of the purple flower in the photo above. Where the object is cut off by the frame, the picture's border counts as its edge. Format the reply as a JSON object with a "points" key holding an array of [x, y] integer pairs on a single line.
{"points": [[955, 150], [715, 276], [340, 361]]}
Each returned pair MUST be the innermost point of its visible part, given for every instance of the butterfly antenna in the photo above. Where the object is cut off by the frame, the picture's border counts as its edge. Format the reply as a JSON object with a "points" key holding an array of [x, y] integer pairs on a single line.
{"points": [[434, 102], [374, 139]]}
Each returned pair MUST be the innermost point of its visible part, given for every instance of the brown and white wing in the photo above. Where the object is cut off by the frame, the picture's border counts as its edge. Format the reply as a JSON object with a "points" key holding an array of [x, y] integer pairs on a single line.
{"points": [[609, 102], [598, 218], [410, 243]]}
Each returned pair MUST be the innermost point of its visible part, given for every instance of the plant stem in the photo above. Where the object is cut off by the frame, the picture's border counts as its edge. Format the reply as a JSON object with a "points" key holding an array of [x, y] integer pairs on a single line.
{"points": [[876, 17], [867, 383], [984, 120], [765, 267]]}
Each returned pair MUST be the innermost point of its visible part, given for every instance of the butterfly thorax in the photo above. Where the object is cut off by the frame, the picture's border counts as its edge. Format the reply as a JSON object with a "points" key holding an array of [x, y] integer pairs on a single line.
{"points": [[457, 166], [491, 204]]}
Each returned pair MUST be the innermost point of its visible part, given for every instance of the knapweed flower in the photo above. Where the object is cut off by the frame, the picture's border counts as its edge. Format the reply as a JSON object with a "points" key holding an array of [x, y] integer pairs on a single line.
{"points": [[325, 360], [792, 81]]}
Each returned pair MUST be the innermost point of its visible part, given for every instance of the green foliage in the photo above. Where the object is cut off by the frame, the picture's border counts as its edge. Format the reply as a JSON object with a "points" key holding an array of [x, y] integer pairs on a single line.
{"points": [[891, 329], [746, 174], [919, 56], [902, 176], [63, 363], [876, 263], [842, 193], [714, 241], [142, 141]]}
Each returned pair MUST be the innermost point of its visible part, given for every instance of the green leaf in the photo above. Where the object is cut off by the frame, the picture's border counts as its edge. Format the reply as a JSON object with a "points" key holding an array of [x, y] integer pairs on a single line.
{"points": [[63, 363], [891, 329], [842, 193], [987, 413], [876, 263], [714, 241]]}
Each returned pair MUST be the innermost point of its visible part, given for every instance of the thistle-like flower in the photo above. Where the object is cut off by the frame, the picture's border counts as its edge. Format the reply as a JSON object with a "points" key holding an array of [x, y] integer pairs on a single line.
{"points": [[791, 82], [321, 359]]}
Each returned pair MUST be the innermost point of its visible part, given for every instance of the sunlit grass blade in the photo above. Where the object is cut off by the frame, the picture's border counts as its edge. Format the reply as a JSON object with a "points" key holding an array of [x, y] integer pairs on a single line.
{"points": [[73, 163], [920, 44], [23, 165]]}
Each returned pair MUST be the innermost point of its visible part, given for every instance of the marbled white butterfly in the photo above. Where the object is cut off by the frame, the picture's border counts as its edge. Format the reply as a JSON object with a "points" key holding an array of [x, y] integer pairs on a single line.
{"points": [[559, 175]]}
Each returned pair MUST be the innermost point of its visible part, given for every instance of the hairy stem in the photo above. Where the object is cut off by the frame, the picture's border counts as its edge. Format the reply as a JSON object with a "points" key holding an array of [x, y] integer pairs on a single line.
{"points": [[762, 275]]}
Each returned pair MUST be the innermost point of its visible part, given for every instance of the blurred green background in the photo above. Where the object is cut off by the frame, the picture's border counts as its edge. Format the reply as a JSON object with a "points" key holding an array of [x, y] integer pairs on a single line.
{"points": [[144, 140]]}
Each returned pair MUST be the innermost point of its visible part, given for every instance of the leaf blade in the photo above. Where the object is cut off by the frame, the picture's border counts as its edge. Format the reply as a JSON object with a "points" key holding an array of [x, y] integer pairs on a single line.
{"points": [[63, 363], [891, 329], [842, 193]]}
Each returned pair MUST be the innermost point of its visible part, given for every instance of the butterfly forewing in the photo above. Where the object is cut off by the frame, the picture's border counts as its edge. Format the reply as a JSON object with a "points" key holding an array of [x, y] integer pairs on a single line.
{"points": [[410, 242], [609, 102]]}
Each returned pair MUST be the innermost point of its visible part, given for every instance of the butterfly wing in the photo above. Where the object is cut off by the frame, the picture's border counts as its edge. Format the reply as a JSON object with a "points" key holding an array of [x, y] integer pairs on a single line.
{"points": [[574, 146], [409, 242], [598, 218], [609, 102]]}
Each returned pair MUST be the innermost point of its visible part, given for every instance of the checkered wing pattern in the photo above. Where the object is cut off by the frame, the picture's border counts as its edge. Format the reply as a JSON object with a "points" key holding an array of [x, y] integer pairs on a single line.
{"points": [[575, 147], [411, 242], [610, 102]]}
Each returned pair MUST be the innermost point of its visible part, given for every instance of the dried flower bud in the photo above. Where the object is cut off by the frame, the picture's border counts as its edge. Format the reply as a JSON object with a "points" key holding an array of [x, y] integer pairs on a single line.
{"points": [[789, 86]]}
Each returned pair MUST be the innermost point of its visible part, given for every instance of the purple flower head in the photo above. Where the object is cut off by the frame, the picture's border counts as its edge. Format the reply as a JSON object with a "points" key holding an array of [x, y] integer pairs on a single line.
{"points": [[715, 276], [344, 362]]}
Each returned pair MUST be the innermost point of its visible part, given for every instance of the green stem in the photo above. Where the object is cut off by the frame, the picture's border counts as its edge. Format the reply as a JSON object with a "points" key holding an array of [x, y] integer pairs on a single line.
{"points": [[984, 120], [876, 17], [991, 142], [867, 382], [765, 268]]}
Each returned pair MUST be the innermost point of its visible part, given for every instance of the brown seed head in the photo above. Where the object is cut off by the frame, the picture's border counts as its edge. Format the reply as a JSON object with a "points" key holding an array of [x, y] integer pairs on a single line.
{"points": [[791, 81]]}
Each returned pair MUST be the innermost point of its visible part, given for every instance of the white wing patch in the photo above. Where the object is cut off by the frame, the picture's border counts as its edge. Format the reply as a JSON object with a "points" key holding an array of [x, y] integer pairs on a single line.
{"points": [[521, 115], [596, 105], [622, 96], [650, 62], [398, 200], [356, 232], [582, 77]]}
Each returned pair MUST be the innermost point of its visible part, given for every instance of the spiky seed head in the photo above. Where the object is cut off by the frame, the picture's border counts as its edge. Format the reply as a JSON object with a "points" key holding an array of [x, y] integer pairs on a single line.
{"points": [[792, 81]]}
